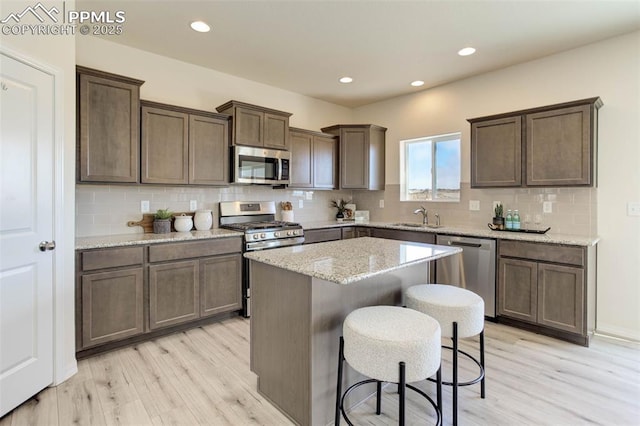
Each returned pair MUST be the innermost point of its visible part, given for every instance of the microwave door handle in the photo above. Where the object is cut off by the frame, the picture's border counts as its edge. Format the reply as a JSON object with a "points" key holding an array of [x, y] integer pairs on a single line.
{"points": [[279, 169]]}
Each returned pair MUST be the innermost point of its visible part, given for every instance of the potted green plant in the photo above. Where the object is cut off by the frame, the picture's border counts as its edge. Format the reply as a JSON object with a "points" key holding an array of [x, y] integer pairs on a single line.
{"points": [[341, 205], [162, 221], [498, 218]]}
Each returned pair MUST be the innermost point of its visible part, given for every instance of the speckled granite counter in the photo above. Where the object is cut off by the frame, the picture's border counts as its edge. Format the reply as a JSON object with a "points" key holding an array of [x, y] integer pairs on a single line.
{"points": [[349, 261], [85, 243], [550, 237]]}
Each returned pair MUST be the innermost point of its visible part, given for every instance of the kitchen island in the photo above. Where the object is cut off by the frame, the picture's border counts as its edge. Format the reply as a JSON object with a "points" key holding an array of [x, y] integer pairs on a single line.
{"points": [[300, 296]]}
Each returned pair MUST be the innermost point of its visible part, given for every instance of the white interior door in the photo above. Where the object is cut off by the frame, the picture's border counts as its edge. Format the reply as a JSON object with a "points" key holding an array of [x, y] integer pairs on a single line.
{"points": [[26, 220]]}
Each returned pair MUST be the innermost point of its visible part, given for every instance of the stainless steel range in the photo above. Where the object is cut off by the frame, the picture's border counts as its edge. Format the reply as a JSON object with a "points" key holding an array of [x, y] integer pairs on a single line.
{"points": [[261, 231]]}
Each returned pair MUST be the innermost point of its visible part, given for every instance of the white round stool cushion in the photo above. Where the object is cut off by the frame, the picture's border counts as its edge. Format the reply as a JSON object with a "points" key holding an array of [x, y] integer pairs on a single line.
{"points": [[378, 338], [447, 303]]}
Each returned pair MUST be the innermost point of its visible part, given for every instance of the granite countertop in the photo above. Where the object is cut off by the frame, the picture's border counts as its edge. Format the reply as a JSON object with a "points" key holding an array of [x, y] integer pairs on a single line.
{"points": [[550, 237], [84, 243], [352, 260]]}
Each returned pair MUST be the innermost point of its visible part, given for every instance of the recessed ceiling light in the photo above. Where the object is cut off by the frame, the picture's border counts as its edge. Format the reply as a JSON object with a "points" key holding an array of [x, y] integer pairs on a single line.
{"points": [[200, 27], [417, 83], [466, 51], [346, 80]]}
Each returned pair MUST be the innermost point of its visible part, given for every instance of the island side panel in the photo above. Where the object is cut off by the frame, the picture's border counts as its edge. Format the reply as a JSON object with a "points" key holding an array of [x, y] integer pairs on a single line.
{"points": [[280, 338], [330, 304]]}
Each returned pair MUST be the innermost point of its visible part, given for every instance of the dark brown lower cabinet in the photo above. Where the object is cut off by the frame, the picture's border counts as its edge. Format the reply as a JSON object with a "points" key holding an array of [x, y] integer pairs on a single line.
{"points": [[173, 293], [548, 286], [125, 293], [220, 289], [112, 306]]}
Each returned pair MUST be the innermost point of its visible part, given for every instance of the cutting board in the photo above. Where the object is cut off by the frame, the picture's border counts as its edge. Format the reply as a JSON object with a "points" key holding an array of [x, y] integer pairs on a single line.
{"points": [[147, 221]]}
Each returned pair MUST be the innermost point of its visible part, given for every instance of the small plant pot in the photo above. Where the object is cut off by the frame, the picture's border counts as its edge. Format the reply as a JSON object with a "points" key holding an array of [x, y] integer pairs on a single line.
{"points": [[162, 226], [498, 222], [340, 217]]}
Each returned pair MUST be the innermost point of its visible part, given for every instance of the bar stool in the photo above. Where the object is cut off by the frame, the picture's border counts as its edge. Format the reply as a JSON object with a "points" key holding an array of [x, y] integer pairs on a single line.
{"points": [[390, 344], [460, 314]]}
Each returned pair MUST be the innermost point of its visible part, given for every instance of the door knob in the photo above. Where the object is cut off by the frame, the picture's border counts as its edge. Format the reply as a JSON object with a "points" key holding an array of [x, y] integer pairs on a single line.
{"points": [[47, 245]]}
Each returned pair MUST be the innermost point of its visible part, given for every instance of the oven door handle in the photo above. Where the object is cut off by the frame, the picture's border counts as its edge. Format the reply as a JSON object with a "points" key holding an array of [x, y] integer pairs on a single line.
{"points": [[261, 245]]}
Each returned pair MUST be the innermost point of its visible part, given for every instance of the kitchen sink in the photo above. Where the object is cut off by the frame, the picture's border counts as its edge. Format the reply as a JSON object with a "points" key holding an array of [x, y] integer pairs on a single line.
{"points": [[416, 225]]}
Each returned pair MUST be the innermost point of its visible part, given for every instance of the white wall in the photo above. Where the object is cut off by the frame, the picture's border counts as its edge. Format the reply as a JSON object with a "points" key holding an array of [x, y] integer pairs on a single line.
{"points": [[609, 69], [58, 52], [179, 83]]}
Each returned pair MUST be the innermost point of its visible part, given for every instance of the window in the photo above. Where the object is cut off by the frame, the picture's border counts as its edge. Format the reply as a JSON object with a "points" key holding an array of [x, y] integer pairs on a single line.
{"points": [[430, 168]]}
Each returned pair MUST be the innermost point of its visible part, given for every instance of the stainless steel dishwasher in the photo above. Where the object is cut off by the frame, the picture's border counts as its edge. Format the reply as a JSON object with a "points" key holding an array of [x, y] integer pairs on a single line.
{"points": [[476, 272]]}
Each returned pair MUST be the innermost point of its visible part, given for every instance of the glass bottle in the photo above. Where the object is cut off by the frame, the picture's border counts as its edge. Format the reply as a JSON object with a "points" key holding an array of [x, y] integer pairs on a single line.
{"points": [[516, 220], [508, 223]]}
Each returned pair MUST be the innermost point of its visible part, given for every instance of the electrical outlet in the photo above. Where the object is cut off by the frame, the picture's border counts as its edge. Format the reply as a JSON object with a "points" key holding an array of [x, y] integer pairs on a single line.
{"points": [[474, 205], [547, 207], [381, 204], [193, 205], [144, 206], [633, 209], [300, 204]]}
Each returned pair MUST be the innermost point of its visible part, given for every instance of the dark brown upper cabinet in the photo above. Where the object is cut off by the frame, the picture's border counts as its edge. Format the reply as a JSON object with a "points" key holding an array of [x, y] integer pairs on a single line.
{"points": [[257, 126], [548, 146], [108, 120], [362, 154], [314, 159], [184, 146]]}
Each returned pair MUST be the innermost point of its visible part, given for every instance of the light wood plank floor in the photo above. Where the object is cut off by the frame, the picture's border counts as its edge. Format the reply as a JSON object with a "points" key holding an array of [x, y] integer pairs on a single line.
{"points": [[202, 377]]}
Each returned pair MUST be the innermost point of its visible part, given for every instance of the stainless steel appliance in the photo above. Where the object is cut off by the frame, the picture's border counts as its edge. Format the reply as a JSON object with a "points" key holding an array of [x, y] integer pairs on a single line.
{"points": [[476, 272], [258, 165], [261, 231]]}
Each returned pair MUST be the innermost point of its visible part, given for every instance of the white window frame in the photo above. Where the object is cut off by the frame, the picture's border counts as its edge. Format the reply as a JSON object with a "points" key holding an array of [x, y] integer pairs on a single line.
{"points": [[404, 144]]}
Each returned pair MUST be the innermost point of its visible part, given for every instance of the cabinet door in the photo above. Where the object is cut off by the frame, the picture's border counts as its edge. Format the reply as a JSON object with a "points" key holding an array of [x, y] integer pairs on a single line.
{"points": [[112, 306], [559, 147], [325, 162], [208, 151], [173, 293], [301, 160], [165, 146], [276, 131], [518, 289], [496, 153], [561, 297], [354, 158], [108, 132], [348, 233], [248, 127], [220, 284]]}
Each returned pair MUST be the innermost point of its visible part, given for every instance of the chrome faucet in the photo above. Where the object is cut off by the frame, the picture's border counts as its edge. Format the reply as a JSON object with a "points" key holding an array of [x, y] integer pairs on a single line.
{"points": [[425, 215], [437, 219]]}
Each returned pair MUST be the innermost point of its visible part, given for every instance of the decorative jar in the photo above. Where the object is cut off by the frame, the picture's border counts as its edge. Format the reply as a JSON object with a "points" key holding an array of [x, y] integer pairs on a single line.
{"points": [[203, 220], [183, 223]]}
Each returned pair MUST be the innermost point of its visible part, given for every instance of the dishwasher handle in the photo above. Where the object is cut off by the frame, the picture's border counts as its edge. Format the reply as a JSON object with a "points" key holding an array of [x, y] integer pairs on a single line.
{"points": [[464, 244]]}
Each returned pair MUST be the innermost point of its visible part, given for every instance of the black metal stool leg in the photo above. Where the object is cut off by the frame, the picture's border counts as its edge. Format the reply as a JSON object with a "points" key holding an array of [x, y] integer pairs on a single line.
{"points": [[339, 385], [402, 389], [455, 373], [378, 397], [482, 393], [439, 389]]}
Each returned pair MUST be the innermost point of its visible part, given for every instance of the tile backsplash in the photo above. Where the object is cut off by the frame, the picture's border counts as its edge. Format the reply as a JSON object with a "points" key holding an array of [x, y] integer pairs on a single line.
{"points": [[573, 209], [106, 209]]}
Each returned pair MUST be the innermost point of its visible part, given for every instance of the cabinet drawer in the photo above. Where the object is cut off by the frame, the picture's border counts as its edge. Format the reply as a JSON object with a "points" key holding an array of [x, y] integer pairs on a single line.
{"points": [[163, 252], [111, 258], [321, 235], [544, 252]]}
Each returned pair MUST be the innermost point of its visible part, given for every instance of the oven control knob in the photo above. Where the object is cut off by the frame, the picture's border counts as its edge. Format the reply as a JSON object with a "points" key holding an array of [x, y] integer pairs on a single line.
{"points": [[262, 235], [255, 236], [288, 233], [296, 232]]}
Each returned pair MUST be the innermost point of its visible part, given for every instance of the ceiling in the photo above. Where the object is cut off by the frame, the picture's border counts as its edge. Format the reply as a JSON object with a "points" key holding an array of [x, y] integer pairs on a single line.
{"points": [[305, 46]]}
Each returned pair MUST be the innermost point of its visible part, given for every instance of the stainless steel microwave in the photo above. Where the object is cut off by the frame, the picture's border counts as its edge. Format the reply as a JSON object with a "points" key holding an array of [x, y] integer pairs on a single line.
{"points": [[258, 165]]}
